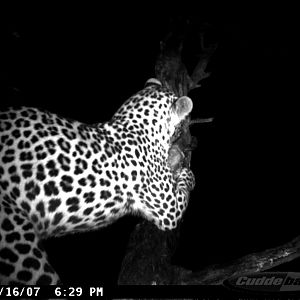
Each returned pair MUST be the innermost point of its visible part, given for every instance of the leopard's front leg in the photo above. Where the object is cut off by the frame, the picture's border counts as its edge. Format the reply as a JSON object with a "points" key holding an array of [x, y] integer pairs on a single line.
{"points": [[185, 184], [174, 197]]}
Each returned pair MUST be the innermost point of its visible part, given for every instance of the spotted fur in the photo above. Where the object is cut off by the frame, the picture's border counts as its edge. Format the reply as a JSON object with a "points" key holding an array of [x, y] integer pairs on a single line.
{"points": [[59, 176]]}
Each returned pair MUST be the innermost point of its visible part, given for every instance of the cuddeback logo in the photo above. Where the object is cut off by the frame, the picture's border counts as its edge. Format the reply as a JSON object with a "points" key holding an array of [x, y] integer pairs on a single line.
{"points": [[266, 282]]}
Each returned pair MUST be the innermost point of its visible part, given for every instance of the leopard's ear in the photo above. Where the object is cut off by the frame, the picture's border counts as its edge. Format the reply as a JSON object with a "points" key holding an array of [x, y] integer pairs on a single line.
{"points": [[153, 82], [183, 107]]}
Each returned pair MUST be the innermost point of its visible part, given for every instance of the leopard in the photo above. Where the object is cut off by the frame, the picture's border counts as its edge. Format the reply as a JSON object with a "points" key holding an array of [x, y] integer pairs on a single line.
{"points": [[60, 176]]}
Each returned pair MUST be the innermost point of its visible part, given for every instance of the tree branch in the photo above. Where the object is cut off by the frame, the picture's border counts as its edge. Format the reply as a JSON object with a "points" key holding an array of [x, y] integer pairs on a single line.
{"points": [[251, 263], [148, 259]]}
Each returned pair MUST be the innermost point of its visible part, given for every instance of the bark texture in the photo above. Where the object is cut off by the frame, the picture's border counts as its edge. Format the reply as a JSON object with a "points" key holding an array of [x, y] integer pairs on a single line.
{"points": [[149, 254], [148, 260]]}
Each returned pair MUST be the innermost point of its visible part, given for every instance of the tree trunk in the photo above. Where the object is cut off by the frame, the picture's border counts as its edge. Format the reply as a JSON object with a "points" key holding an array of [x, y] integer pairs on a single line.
{"points": [[149, 255]]}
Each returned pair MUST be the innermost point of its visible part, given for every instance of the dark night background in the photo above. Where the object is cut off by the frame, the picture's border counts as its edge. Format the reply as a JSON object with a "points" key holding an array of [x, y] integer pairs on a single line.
{"points": [[83, 66]]}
